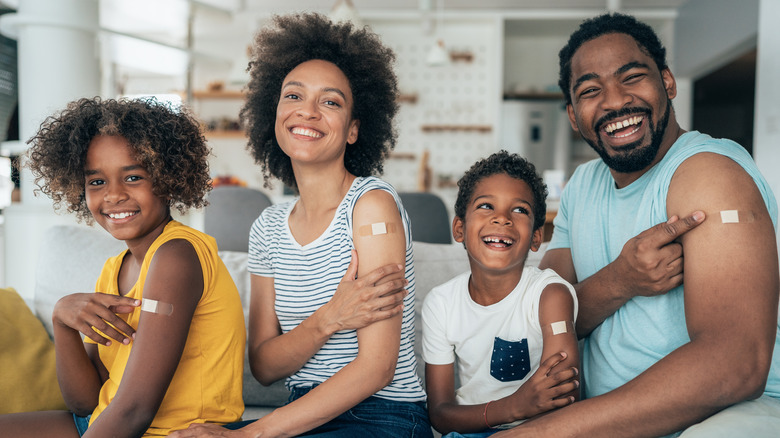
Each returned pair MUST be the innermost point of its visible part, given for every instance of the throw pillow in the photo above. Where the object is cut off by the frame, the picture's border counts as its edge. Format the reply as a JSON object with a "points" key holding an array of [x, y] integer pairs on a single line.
{"points": [[28, 380]]}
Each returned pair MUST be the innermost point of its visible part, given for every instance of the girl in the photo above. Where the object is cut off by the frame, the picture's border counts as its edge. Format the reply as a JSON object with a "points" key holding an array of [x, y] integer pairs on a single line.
{"points": [[325, 127], [165, 331]]}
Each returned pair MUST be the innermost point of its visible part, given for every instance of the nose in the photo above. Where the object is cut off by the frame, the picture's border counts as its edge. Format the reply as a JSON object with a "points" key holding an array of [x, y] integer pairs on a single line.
{"points": [[501, 219], [308, 109], [615, 97], [114, 193]]}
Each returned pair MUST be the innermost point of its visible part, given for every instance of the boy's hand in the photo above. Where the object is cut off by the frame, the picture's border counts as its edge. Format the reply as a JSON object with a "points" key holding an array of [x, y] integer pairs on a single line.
{"points": [[359, 302], [540, 393], [85, 312]]}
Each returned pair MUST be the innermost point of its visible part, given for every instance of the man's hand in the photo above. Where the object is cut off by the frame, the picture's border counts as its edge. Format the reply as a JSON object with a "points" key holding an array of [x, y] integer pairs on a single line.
{"points": [[652, 262]]}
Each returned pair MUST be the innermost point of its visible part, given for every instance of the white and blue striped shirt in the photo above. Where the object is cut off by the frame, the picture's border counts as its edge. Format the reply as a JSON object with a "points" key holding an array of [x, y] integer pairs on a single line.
{"points": [[306, 277]]}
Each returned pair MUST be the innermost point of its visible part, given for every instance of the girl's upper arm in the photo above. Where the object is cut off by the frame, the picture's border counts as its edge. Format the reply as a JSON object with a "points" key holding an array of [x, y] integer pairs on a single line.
{"points": [[174, 277], [263, 323]]}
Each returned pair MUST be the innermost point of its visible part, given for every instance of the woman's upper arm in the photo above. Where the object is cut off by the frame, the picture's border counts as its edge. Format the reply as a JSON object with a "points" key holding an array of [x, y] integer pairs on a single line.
{"points": [[263, 323]]}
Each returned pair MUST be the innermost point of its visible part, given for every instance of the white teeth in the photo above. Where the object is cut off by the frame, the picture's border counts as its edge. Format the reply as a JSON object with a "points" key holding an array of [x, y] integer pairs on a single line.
{"points": [[497, 240], [120, 215], [612, 127], [307, 132]]}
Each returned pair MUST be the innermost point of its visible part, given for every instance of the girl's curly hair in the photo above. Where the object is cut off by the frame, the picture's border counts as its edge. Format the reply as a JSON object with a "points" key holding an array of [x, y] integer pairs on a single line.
{"points": [[363, 59], [166, 141], [502, 162]]}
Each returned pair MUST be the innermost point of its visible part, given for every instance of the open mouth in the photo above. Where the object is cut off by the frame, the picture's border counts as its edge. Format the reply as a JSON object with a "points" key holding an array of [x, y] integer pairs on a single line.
{"points": [[122, 215], [625, 127], [498, 242], [306, 132]]}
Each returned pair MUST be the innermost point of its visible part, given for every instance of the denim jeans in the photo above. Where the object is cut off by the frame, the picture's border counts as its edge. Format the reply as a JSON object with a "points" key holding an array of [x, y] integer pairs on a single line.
{"points": [[373, 417], [471, 435]]}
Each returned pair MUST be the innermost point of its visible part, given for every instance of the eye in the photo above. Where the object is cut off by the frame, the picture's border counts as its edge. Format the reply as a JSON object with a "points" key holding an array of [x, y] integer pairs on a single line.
{"points": [[634, 77], [587, 92], [484, 206], [95, 182], [521, 210], [133, 178], [291, 96], [332, 103]]}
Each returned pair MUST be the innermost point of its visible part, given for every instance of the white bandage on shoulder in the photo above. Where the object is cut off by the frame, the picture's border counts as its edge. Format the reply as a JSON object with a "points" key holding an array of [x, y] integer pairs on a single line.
{"points": [[376, 229], [158, 307], [558, 328], [736, 216]]}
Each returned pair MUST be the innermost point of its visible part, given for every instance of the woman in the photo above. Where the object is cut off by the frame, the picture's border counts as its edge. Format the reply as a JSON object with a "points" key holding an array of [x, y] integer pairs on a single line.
{"points": [[331, 109]]}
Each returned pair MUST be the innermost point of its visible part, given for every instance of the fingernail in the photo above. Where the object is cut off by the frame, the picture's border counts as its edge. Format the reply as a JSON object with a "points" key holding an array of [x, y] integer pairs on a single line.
{"points": [[108, 344], [137, 302], [126, 341], [577, 383], [698, 216], [576, 372]]}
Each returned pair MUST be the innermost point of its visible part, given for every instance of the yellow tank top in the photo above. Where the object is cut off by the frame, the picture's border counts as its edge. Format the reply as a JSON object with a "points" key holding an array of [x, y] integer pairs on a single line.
{"points": [[207, 385]]}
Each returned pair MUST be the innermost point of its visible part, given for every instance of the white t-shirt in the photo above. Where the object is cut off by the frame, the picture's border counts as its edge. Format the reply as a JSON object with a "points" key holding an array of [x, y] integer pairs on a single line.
{"points": [[497, 347]]}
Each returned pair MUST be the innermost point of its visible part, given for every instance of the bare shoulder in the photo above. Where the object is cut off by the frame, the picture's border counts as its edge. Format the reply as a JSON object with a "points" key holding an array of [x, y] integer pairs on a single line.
{"points": [[555, 303], [376, 199], [178, 252]]}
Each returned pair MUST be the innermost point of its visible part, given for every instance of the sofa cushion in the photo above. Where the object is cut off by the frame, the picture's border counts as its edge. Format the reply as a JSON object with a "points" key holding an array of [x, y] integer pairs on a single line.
{"points": [[27, 360]]}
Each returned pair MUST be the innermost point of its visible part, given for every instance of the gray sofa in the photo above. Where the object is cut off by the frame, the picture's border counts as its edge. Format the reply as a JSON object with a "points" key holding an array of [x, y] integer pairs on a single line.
{"points": [[72, 257]]}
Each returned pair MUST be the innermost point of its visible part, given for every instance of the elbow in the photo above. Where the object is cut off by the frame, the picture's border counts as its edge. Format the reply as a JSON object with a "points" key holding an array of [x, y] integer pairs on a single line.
{"points": [[264, 378], [748, 379]]}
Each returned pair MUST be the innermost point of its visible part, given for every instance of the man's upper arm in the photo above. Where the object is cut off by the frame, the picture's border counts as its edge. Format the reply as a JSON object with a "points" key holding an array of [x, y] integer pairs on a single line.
{"points": [[560, 261], [730, 269]]}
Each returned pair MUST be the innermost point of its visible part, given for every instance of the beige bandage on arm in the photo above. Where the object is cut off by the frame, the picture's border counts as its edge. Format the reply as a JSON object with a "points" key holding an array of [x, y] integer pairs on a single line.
{"points": [[158, 307], [558, 328], [736, 216], [377, 229]]}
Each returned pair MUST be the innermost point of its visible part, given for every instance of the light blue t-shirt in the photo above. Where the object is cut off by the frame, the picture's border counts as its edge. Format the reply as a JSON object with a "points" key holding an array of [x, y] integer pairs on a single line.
{"points": [[596, 219]]}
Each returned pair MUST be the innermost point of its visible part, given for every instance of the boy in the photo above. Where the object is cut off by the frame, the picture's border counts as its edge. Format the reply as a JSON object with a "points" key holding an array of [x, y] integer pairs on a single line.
{"points": [[501, 320]]}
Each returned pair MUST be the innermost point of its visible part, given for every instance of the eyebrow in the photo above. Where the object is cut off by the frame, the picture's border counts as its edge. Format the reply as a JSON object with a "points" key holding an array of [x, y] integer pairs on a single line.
{"points": [[326, 89], [89, 172], [624, 68]]}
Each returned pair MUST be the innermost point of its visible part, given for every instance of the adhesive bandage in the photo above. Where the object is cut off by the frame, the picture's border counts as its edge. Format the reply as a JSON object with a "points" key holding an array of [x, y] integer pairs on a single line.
{"points": [[736, 216], [158, 307], [558, 328], [376, 229]]}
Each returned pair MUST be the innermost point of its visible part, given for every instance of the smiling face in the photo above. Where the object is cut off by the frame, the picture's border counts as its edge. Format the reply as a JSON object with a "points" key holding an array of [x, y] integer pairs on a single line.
{"points": [[621, 103], [119, 192], [498, 230], [314, 115]]}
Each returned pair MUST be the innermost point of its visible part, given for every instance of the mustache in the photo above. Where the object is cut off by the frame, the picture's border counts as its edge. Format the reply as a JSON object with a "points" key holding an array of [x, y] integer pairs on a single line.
{"points": [[622, 112]]}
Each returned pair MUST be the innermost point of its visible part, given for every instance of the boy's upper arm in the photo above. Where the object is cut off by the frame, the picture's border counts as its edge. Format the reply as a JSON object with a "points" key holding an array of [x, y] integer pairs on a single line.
{"points": [[730, 269], [174, 278], [556, 319]]}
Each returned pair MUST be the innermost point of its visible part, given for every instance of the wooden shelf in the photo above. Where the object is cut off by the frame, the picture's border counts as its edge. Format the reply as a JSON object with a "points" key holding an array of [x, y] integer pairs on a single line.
{"points": [[221, 133], [533, 96], [222, 94], [456, 128]]}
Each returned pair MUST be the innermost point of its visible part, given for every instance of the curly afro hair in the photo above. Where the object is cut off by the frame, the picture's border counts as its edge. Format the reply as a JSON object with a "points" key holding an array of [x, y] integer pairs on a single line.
{"points": [[166, 141], [363, 59], [502, 162], [595, 27]]}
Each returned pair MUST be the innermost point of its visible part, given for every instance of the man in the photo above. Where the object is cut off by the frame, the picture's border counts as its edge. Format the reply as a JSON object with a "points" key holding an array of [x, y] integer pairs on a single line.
{"points": [[661, 356]]}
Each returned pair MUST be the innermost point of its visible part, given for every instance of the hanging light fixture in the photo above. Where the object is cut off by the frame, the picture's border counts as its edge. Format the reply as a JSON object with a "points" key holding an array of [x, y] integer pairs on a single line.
{"points": [[344, 10], [438, 55]]}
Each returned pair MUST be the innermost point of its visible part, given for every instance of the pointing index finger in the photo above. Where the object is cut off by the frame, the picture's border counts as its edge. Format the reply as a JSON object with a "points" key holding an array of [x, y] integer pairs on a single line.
{"points": [[674, 227]]}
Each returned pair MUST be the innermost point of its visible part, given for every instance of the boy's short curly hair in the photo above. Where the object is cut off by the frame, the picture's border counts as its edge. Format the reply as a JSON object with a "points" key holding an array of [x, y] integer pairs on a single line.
{"points": [[166, 141], [503, 162], [595, 27], [363, 59]]}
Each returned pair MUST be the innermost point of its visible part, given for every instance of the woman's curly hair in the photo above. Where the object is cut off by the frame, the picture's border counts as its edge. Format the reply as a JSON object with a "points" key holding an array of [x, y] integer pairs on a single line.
{"points": [[363, 59], [502, 162], [166, 141]]}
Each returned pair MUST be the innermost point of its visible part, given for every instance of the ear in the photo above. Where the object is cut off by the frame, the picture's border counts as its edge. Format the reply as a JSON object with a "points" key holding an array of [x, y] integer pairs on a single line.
{"points": [[572, 118], [354, 127], [536, 240], [670, 84], [457, 229]]}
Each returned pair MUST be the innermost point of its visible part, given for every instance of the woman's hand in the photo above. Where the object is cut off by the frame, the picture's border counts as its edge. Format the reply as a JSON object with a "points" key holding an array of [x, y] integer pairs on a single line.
{"points": [[85, 312], [360, 302]]}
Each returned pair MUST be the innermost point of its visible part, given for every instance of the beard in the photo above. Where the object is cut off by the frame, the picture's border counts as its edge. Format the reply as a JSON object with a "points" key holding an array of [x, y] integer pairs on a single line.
{"points": [[633, 157]]}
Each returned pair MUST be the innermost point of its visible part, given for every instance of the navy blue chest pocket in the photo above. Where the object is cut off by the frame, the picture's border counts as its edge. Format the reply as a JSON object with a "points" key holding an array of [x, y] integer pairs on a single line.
{"points": [[510, 360]]}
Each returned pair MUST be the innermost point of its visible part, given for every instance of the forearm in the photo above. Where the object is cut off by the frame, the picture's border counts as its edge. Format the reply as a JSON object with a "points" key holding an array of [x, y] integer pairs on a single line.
{"points": [[78, 379], [134, 419], [599, 297], [352, 384], [687, 386], [285, 354]]}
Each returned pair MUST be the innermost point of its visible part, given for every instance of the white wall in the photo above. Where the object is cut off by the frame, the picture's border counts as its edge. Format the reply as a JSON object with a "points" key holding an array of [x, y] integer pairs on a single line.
{"points": [[766, 130], [710, 33]]}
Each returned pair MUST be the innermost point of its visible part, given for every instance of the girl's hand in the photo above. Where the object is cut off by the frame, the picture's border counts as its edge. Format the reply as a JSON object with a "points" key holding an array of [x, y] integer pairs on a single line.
{"points": [[540, 393], [358, 303], [207, 430], [83, 311]]}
